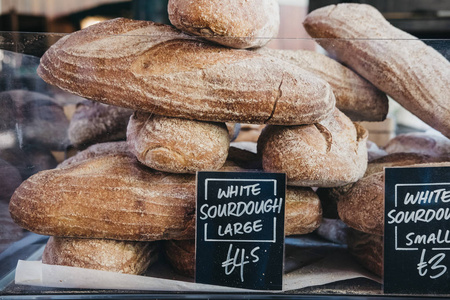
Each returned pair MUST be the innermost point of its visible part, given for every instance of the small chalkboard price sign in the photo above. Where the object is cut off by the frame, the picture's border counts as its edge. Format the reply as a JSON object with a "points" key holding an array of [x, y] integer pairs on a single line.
{"points": [[240, 229], [417, 231]]}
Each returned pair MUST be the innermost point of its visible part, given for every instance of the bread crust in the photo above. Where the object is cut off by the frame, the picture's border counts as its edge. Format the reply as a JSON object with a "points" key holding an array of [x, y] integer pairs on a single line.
{"points": [[357, 98], [94, 122], [237, 24], [155, 68], [100, 254], [405, 68], [110, 196], [328, 154], [177, 145]]}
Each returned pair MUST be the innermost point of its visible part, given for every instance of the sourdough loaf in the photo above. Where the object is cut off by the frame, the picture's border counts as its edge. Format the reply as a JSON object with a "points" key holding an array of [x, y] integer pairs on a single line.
{"points": [[177, 145], [357, 98], [156, 68], [237, 24], [330, 153], [109, 196], [100, 254], [95, 122], [412, 73], [362, 205]]}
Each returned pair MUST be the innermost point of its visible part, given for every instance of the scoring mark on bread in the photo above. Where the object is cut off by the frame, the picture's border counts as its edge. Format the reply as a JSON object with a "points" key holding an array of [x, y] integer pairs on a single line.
{"points": [[328, 137], [279, 94]]}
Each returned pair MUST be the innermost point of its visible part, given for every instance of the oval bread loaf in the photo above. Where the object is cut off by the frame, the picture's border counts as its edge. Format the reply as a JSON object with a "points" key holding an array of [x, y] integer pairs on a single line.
{"points": [[237, 24], [177, 145], [155, 68], [100, 254], [110, 196], [330, 153], [412, 73]]}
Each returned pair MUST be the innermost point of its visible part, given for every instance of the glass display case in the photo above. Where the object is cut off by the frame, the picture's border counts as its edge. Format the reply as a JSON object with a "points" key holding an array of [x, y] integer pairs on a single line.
{"points": [[37, 133]]}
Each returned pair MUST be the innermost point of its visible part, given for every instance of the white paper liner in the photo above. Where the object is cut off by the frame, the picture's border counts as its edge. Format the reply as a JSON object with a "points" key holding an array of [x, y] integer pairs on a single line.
{"points": [[334, 267]]}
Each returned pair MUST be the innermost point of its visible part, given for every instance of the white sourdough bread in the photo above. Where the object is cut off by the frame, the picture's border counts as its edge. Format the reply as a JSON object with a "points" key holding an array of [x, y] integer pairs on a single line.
{"points": [[233, 23], [412, 73], [327, 154], [177, 145], [158, 69], [100, 254]]}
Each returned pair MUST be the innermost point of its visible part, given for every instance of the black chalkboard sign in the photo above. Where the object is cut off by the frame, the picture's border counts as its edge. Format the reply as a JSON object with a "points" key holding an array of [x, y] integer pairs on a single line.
{"points": [[417, 230], [240, 229]]}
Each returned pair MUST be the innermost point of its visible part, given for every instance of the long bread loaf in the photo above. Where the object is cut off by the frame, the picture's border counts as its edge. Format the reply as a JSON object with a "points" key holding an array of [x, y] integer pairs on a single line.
{"points": [[412, 73], [156, 68]]}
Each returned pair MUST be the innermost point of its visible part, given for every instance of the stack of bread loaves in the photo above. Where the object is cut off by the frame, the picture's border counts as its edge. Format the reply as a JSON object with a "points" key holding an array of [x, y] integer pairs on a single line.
{"points": [[107, 206], [183, 82]]}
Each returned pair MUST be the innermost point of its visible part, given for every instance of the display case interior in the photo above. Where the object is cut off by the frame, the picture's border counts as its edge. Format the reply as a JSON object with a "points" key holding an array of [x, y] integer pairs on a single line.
{"points": [[103, 130]]}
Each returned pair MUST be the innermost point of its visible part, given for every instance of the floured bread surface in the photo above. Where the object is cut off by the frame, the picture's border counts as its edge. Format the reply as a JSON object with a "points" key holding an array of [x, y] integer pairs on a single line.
{"points": [[303, 212], [177, 145], [233, 23], [327, 154], [155, 68], [110, 196], [357, 98], [100, 254], [412, 73]]}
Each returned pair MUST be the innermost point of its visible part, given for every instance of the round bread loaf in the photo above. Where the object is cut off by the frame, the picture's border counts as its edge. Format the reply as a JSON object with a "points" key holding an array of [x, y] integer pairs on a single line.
{"points": [[367, 249], [100, 254], [177, 145], [327, 154], [95, 122], [303, 212], [233, 23], [361, 206]]}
